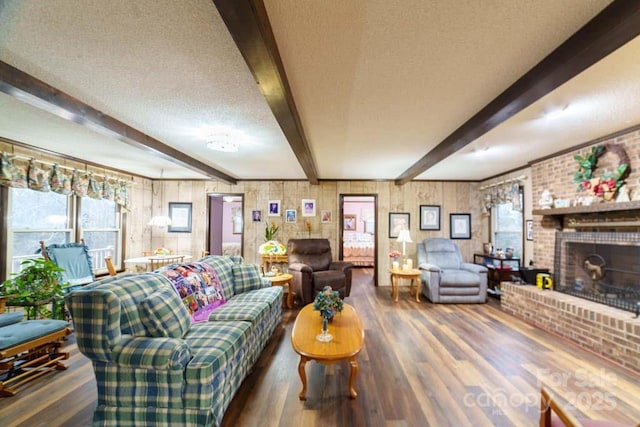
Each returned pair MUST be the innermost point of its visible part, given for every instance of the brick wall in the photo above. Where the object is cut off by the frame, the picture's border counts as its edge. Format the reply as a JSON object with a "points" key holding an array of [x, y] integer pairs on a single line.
{"points": [[556, 175], [611, 333]]}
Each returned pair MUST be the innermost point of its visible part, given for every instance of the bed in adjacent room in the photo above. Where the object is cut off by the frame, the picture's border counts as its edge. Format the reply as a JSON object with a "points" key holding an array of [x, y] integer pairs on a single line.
{"points": [[359, 248]]}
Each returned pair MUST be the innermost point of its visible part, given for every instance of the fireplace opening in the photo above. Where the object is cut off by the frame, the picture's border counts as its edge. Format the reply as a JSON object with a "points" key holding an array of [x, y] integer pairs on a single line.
{"points": [[599, 266]]}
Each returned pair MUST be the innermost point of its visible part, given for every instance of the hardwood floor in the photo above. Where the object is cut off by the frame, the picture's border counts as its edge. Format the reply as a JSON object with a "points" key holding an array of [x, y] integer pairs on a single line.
{"points": [[421, 365]]}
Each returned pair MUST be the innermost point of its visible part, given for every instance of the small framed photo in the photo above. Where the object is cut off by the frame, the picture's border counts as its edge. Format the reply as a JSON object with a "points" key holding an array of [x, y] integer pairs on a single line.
{"points": [[180, 214], [429, 217], [274, 207], [325, 217], [291, 215], [256, 216], [398, 221], [460, 226], [308, 207], [350, 223], [529, 229]]}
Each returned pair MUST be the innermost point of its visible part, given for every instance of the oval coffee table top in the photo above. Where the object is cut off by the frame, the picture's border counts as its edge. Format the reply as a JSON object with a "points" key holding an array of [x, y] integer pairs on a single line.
{"points": [[346, 328]]}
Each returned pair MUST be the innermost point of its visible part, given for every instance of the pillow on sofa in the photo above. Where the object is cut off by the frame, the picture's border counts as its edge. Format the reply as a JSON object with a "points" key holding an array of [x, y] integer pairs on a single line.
{"points": [[161, 318], [246, 277], [198, 286]]}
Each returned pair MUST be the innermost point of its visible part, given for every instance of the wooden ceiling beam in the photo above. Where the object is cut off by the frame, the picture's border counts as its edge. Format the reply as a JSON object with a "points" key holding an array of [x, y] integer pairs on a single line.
{"points": [[35, 92], [615, 26], [249, 25]]}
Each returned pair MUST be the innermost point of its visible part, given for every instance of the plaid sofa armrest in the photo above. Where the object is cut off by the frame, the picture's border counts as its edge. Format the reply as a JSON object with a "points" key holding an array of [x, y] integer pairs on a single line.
{"points": [[152, 353]]}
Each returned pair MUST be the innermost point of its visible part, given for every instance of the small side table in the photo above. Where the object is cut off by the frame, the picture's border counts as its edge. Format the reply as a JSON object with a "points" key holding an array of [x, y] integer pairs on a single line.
{"points": [[281, 280], [413, 275]]}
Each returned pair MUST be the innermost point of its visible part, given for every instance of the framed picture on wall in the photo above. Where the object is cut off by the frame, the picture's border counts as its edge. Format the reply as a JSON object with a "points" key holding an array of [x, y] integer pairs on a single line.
{"points": [[460, 226], [325, 217], [308, 207], [529, 229], [290, 215], [429, 217], [398, 221], [180, 214], [350, 222], [256, 216], [274, 207]]}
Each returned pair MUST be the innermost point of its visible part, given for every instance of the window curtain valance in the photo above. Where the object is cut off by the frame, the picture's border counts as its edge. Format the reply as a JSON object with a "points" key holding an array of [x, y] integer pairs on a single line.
{"points": [[61, 180], [500, 194]]}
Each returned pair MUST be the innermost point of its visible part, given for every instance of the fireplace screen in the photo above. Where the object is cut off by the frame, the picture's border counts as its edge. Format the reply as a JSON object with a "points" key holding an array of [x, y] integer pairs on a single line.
{"points": [[601, 267]]}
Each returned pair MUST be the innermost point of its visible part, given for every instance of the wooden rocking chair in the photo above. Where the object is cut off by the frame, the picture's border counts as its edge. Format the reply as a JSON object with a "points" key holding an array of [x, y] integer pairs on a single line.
{"points": [[28, 349]]}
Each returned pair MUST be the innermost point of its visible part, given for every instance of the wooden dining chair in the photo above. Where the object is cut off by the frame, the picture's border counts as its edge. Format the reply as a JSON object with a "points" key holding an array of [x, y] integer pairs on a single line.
{"points": [[157, 262], [110, 267]]}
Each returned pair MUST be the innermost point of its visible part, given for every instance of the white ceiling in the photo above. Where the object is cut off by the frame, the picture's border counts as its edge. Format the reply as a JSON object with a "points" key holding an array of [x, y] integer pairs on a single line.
{"points": [[377, 83]]}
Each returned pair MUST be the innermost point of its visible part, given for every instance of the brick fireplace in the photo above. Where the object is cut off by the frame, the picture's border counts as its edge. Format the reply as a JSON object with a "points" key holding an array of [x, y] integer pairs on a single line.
{"points": [[603, 267], [593, 252]]}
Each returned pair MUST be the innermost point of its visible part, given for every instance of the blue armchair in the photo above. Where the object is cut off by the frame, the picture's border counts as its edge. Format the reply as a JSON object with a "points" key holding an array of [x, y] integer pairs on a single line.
{"points": [[446, 278]]}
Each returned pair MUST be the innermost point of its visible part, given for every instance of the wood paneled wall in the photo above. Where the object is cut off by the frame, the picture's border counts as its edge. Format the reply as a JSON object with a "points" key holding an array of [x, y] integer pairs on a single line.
{"points": [[453, 197]]}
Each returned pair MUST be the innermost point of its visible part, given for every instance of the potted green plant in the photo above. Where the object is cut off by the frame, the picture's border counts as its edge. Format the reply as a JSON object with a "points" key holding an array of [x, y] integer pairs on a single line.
{"points": [[34, 286]]}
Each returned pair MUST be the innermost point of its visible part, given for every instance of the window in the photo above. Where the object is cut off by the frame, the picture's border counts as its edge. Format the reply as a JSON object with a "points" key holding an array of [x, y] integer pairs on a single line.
{"points": [[51, 217], [100, 230], [36, 216], [507, 226]]}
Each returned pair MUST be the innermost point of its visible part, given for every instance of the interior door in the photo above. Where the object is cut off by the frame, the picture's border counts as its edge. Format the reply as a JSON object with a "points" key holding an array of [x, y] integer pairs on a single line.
{"points": [[358, 230], [226, 227]]}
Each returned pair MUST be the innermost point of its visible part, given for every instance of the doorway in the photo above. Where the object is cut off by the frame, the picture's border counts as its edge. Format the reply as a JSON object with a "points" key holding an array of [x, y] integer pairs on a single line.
{"points": [[358, 230], [226, 225]]}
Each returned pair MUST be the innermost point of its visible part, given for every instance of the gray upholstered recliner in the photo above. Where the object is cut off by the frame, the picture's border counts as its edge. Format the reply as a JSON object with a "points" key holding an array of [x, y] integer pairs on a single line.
{"points": [[446, 278], [313, 268]]}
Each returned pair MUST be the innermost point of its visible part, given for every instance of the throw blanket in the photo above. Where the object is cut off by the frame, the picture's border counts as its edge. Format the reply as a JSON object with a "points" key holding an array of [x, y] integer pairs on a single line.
{"points": [[198, 285]]}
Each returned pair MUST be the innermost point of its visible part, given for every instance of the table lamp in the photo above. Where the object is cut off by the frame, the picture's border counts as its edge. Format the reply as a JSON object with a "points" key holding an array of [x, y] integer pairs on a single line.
{"points": [[405, 238]]}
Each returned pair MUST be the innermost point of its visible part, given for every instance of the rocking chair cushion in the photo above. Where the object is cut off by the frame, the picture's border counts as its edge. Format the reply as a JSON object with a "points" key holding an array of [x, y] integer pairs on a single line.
{"points": [[21, 332], [161, 317], [10, 318]]}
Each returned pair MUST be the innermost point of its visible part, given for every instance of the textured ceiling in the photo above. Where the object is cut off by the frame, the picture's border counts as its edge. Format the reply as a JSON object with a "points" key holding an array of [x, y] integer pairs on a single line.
{"points": [[377, 84]]}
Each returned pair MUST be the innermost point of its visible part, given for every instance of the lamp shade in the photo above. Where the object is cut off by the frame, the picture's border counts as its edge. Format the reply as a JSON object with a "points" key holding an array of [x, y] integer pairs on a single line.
{"points": [[160, 221], [404, 236], [272, 247]]}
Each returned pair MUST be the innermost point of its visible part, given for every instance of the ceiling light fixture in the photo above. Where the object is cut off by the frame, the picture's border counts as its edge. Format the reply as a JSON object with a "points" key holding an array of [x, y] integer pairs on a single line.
{"points": [[160, 221], [555, 112], [222, 143]]}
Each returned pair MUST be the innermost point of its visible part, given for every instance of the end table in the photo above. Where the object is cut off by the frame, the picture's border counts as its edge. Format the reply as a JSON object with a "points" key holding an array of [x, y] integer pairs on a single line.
{"points": [[282, 280]]}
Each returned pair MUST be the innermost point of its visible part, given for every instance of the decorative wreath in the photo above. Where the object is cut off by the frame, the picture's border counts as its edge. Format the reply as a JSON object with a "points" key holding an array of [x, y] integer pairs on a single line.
{"points": [[607, 183]]}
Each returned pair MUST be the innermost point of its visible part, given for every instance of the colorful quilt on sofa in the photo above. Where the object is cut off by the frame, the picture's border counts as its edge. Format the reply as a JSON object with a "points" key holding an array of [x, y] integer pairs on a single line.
{"points": [[198, 286]]}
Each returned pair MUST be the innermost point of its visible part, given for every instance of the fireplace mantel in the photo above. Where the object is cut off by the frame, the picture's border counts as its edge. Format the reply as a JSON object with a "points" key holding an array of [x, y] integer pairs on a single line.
{"points": [[598, 210], [595, 208]]}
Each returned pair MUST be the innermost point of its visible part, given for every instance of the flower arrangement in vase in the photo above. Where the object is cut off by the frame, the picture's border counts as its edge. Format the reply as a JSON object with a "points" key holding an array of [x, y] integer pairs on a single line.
{"points": [[328, 303], [270, 231], [394, 255]]}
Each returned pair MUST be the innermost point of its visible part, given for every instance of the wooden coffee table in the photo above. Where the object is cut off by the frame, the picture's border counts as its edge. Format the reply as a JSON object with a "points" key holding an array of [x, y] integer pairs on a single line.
{"points": [[348, 337]]}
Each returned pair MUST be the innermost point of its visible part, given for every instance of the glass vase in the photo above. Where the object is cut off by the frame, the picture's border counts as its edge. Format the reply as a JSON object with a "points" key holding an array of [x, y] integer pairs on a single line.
{"points": [[324, 336]]}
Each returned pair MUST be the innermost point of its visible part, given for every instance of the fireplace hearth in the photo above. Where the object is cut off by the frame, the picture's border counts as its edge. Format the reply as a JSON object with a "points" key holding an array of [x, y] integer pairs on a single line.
{"points": [[603, 267]]}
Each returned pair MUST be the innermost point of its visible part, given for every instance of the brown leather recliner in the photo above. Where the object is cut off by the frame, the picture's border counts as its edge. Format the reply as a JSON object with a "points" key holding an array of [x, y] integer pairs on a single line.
{"points": [[313, 268]]}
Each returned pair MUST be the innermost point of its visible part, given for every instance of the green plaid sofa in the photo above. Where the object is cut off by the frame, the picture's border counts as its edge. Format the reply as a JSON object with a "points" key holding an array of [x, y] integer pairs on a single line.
{"points": [[152, 365]]}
